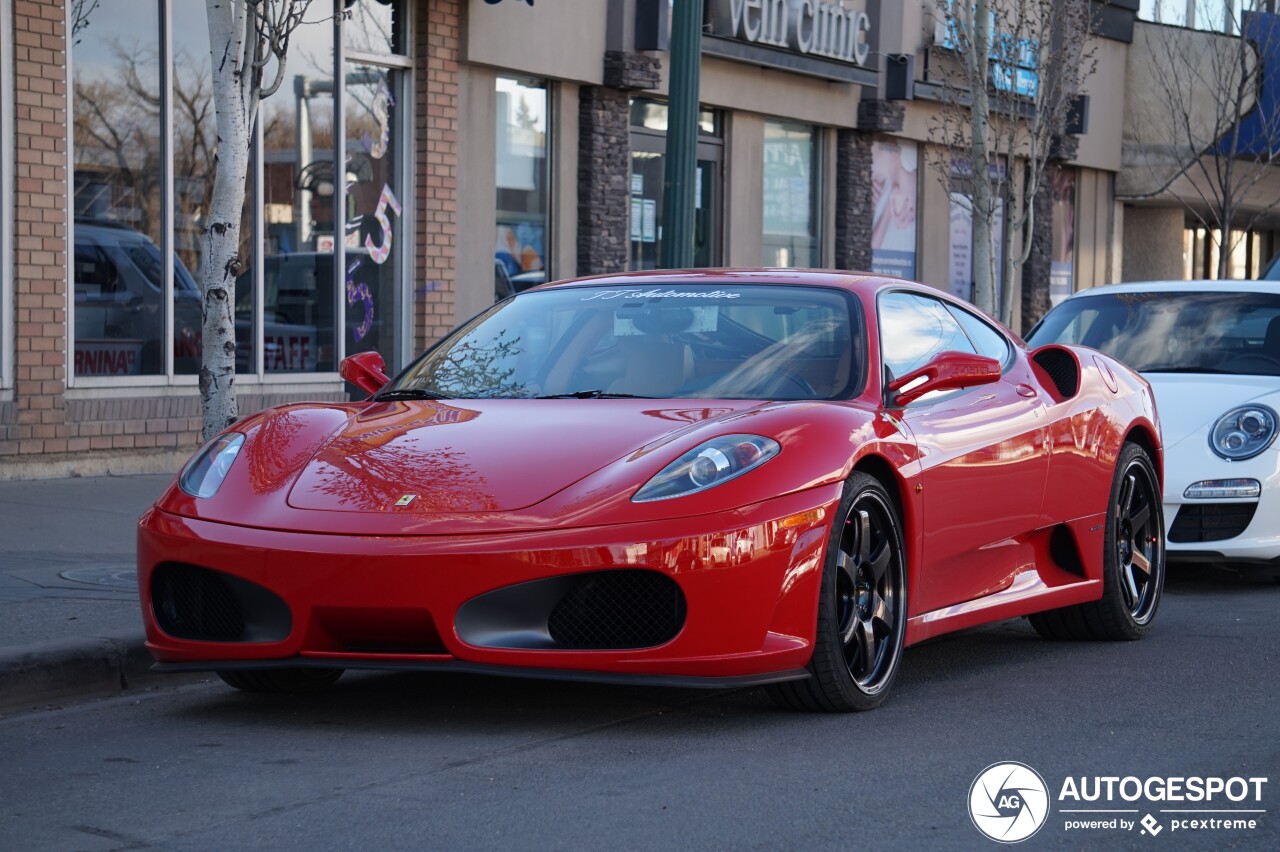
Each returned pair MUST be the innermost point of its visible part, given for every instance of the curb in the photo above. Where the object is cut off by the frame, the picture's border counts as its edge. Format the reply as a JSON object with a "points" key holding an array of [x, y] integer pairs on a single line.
{"points": [[46, 672], [74, 465]]}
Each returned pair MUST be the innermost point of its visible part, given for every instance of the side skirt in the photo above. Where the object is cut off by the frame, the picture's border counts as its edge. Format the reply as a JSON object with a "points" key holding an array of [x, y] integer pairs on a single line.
{"points": [[1027, 593]]}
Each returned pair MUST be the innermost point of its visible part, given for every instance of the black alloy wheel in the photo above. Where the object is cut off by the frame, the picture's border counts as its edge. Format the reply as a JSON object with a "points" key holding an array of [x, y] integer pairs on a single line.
{"points": [[1139, 540], [1133, 569], [862, 608]]}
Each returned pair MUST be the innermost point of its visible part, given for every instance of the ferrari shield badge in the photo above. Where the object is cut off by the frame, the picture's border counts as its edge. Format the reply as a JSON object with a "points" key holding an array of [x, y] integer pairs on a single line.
{"points": [[406, 499]]}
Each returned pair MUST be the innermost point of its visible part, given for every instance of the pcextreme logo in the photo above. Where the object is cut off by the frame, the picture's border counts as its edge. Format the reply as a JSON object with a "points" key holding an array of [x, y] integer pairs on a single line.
{"points": [[1008, 802]]}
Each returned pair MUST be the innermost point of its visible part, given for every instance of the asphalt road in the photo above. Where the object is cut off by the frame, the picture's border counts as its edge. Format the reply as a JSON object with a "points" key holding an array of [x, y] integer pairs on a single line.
{"points": [[457, 762]]}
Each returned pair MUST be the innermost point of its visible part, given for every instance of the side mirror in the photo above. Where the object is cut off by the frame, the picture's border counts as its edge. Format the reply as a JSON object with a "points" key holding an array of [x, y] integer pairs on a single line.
{"points": [[365, 370], [947, 371]]}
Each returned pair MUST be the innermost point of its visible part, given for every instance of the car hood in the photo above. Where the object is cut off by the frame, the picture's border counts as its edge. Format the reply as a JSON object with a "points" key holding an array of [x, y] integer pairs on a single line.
{"points": [[1190, 403], [480, 466], [480, 455]]}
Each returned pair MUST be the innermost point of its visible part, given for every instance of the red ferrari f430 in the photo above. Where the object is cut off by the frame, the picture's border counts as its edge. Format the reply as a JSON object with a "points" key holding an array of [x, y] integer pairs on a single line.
{"points": [[705, 478]]}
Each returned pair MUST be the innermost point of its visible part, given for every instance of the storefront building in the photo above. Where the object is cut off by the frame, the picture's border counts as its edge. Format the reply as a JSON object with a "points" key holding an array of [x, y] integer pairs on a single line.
{"points": [[486, 147]]}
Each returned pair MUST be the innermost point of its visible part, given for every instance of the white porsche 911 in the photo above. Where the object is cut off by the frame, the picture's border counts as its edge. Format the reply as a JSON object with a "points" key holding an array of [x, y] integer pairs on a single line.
{"points": [[1211, 351]]}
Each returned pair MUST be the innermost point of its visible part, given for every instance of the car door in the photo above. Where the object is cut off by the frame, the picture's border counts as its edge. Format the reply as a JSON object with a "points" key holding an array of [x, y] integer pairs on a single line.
{"points": [[983, 452]]}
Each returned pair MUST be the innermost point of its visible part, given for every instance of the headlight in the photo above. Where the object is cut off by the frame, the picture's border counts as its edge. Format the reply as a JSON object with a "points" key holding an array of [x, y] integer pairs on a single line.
{"points": [[708, 465], [1243, 432], [203, 475]]}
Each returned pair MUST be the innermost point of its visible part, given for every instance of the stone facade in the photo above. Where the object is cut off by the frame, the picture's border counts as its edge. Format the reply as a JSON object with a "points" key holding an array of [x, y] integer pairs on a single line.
{"points": [[604, 174], [854, 206]]}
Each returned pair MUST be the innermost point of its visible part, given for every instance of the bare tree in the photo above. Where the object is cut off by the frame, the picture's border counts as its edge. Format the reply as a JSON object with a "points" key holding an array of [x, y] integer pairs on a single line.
{"points": [[1204, 130], [249, 43], [1009, 71]]}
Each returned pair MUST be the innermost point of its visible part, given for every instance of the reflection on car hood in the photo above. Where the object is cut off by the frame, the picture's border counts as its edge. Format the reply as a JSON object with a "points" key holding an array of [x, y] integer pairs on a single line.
{"points": [[481, 455], [1190, 403]]}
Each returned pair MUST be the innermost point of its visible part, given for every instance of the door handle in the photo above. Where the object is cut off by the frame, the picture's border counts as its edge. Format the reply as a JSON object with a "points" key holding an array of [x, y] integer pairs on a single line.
{"points": [[1025, 390]]}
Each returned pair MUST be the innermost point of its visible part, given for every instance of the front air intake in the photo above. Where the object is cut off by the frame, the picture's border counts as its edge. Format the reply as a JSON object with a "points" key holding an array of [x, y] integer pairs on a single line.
{"points": [[1197, 522], [618, 609], [611, 610], [191, 602]]}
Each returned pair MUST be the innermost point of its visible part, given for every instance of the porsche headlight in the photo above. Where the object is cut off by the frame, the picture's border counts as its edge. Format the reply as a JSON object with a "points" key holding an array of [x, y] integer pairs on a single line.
{"points": [[203, 475], [710, 464], [1243, 432]]}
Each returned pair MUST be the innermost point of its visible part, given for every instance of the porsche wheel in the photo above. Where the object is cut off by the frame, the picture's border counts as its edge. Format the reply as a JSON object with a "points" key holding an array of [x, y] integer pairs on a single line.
{"points": [[1133, 568], [862, 608], [295, 680]]}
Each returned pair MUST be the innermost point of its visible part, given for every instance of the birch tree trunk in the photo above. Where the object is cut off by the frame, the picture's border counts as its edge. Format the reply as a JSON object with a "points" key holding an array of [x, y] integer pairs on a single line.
{"points": [[232, 32], [984, 269]]}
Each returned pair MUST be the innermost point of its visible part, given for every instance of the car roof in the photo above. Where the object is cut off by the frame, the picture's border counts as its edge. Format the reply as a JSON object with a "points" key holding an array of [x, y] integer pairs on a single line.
{"points": [[107, 232], [1227, 286], [844, 279]]}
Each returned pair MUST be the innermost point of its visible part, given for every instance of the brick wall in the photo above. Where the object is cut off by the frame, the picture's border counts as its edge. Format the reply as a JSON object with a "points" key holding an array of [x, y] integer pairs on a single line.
{"points": [[36, 421], [438, 37]]}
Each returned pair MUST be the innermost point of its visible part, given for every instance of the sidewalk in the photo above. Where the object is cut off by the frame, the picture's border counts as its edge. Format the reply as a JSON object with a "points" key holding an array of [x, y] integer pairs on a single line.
{"points": [[69, 619]]}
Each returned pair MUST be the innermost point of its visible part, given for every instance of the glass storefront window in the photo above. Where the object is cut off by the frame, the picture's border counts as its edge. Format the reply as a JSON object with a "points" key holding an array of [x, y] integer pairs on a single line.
{"points": [[298, 189], [322, 247], [374, 219], [791, 195], [117, 192], [648, 166], [522, 173]]}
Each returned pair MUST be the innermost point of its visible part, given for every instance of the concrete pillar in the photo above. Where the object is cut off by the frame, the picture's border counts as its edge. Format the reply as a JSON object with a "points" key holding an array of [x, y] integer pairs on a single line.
{"points": [[1153, 244]]}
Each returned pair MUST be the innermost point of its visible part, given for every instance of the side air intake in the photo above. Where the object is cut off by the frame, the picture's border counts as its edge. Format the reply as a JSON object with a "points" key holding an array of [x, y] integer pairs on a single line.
{"points": [[1059, 369]]}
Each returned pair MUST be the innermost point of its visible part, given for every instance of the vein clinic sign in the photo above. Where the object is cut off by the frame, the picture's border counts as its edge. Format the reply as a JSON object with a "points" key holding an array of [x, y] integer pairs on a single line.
{"points": [[808, 27]]}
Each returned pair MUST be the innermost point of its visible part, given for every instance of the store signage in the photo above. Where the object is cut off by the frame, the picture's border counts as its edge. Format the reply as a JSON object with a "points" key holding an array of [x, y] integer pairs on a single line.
{"points": [[808, 27]]}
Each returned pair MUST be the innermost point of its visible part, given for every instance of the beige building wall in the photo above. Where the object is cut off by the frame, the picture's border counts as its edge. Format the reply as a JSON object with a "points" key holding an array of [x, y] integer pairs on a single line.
{"points": [[564, 40], [477, 184], [743, 198], [1100, 147], [1097, 251]]}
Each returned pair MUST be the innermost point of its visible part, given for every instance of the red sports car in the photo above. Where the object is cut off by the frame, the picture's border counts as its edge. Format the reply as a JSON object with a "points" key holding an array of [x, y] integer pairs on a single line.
{"points": [[708, 478]]}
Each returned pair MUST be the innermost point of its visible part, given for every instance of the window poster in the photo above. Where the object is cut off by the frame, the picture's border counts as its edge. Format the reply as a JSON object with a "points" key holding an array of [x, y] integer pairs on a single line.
{"points": [[1062, 261], [894, 190], [960, 253]]}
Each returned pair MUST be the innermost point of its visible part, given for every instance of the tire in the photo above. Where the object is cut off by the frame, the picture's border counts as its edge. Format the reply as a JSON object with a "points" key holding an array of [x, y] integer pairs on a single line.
{"points": [[1133, 570], [862, 608], [292, 680]]}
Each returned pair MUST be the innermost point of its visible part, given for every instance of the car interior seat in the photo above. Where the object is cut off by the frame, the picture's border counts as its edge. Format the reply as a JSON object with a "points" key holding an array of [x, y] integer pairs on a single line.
{"points": [[653, 366]]}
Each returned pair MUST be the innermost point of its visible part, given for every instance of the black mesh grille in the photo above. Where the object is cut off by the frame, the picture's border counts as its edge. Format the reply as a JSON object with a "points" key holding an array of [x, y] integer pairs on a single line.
{"points": [[1061, 368], [1211, 521], [195, 603], [618, 609]]}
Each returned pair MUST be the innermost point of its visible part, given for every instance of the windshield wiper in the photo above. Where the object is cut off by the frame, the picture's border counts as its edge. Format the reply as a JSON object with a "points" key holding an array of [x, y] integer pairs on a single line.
{"points": [[408, 393], [592, 394]]}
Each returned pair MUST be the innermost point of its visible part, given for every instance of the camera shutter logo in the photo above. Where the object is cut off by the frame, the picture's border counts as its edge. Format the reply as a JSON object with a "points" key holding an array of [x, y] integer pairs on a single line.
{"points": [[1008, 802]]}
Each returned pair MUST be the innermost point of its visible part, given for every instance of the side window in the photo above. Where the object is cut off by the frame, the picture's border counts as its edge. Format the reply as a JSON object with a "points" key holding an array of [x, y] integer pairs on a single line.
{"points": [[913, 329], [985, 339]]}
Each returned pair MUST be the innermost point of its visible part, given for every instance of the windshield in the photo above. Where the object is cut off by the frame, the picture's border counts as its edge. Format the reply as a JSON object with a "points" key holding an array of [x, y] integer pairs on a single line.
{"points": [[1180, 332], [651, 340]]}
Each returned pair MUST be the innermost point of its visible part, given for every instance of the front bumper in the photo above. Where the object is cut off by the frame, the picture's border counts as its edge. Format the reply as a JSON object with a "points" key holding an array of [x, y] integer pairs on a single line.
{"points": [[1225, 530], [749, 580]]}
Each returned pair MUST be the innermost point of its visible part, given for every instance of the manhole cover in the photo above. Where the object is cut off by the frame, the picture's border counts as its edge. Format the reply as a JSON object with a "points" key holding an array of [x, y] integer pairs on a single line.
{"points": [[115, 576]]}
